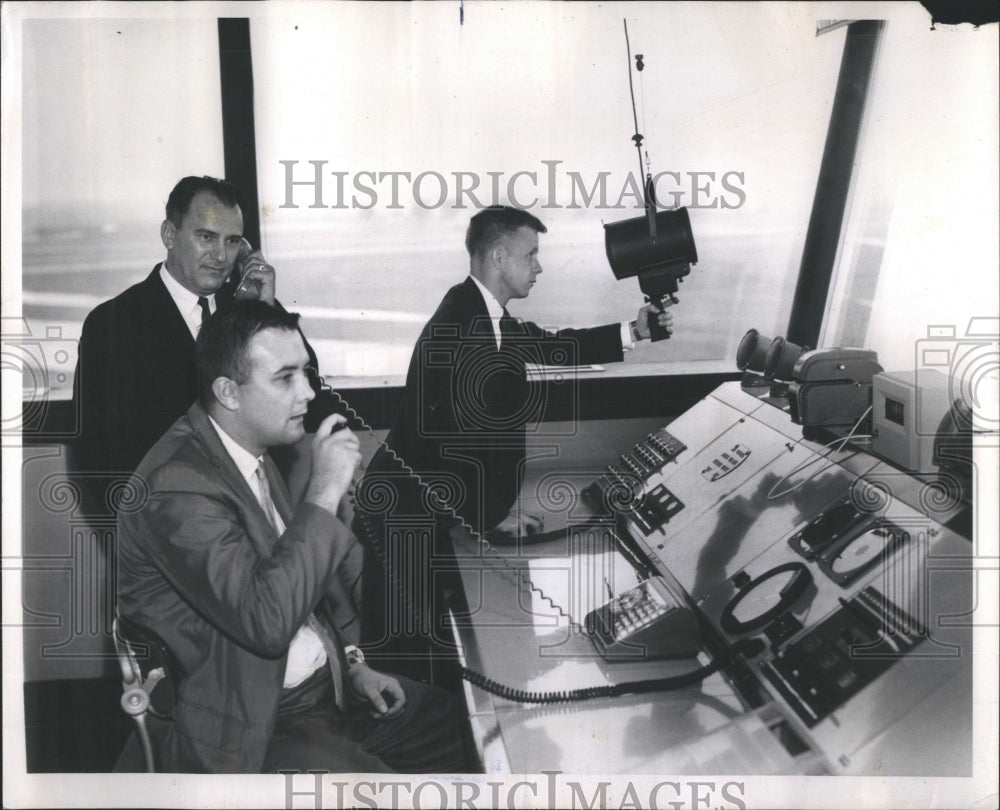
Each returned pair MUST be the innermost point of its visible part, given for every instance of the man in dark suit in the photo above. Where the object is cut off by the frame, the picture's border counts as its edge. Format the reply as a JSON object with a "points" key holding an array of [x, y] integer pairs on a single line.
{"points": [[135, 373], [236, 581], [461, 424]]}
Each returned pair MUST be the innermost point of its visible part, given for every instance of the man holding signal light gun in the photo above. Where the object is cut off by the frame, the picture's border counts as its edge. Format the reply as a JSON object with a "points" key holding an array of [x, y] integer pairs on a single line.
{"points": [[467, 403]]}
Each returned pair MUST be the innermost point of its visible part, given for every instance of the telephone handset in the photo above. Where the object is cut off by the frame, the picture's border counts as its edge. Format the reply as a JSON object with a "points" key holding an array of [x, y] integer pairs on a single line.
{"points": [[247, 287]]}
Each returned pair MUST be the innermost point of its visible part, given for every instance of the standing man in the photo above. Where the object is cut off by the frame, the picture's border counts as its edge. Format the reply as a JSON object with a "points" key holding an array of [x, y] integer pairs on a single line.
{"points": [[236, 581], [135, 373], [136, 370], [461, 422]]}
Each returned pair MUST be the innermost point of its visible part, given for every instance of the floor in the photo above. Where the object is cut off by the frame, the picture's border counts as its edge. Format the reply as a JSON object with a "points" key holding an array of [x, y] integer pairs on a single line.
{"points": [[74, 726]]}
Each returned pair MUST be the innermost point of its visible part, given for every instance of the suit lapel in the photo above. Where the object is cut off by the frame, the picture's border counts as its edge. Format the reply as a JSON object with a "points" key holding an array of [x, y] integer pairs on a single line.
{"points": [[160, 302], [261, 533]]}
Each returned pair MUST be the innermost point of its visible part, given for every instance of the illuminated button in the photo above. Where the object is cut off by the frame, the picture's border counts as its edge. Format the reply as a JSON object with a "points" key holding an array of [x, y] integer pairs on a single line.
{"points": [[845, 680]]}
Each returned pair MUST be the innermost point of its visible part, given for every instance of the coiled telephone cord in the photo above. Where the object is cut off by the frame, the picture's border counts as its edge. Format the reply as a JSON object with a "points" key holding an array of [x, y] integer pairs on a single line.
{"points": [[518, 579], [746, 647]]}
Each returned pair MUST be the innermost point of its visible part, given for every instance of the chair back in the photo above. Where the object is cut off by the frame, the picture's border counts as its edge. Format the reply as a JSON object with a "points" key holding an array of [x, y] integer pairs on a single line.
{"points": [[147, 663]]}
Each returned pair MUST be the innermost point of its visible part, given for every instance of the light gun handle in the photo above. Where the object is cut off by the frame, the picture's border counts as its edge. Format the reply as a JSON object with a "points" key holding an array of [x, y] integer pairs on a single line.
{"points": [[657, 332]]}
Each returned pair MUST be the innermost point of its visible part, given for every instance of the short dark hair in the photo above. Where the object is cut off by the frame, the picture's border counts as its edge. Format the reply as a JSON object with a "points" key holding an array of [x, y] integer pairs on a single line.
{"points": [[221, 348], [495, 223], [179, 201]]}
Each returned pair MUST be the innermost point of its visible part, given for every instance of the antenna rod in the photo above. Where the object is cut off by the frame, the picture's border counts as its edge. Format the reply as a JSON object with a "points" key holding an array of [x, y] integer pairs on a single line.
{"points": [[635, 118], [647, 187]]}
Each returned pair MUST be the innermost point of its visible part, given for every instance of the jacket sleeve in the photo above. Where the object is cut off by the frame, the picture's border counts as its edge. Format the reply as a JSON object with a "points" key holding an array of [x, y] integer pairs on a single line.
{"points": [[601, 344], [90, 387], [343, 594], [198, 536]]}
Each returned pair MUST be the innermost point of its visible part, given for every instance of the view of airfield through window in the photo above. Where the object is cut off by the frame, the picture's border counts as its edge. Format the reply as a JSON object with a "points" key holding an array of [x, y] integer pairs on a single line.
{"points": [[101, 149], [411, 121]]}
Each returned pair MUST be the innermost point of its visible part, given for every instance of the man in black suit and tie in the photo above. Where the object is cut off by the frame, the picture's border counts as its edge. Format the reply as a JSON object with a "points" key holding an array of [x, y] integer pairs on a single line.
{"points": [[135, 373], [461, 424]]}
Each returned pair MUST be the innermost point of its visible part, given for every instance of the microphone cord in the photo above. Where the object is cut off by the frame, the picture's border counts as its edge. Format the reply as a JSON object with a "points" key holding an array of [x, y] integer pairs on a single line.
{"points": [[744, 648], [749, 648]]}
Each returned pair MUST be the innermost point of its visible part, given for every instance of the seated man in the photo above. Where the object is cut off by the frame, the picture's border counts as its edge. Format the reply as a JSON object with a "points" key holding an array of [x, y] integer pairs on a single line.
{"points": [[237, 582], [460, 427]]}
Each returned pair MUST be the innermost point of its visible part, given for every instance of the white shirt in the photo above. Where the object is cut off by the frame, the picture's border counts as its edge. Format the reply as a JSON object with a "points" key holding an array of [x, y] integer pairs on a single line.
{"points": [[495, 309], [186, 301], [306, 653]]}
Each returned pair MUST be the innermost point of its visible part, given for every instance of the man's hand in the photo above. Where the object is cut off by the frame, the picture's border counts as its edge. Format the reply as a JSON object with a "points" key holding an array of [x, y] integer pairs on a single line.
{"points": [[520, 523], [665, 318], [382, 691], [335, 457], [259, 278]]}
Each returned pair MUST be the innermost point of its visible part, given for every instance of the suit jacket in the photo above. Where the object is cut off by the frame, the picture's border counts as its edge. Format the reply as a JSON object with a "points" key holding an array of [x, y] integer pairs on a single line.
{"points": [[200, 565], [466, 403], [135, 375]]}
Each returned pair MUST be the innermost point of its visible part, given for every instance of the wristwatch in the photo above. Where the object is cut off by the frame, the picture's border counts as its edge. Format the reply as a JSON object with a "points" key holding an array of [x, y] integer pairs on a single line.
{"points": [[634, 328], [353, 655]]}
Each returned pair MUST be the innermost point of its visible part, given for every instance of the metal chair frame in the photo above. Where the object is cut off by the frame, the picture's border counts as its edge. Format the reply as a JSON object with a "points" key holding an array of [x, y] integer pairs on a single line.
{"points": [[137, 690]]}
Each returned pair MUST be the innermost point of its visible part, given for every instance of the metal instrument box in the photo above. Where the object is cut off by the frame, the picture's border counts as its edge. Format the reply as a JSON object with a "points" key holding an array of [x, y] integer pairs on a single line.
{"points": [[831, 388]]}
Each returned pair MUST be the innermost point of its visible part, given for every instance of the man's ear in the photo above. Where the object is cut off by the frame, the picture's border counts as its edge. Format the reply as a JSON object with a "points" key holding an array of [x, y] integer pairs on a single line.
{"points": [[168, 233], [498, 254], [226, 393]]}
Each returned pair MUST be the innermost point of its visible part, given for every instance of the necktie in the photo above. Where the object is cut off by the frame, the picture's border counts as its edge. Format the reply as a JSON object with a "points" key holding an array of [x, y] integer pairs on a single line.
{"points": [[333, 650], [508, 326], [266, 502], [205, 312]]}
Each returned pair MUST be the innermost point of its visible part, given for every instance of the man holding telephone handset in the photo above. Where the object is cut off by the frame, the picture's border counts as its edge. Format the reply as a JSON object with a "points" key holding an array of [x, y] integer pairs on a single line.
{"points": [[136, 370], [135, 373], [240, 582]]}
